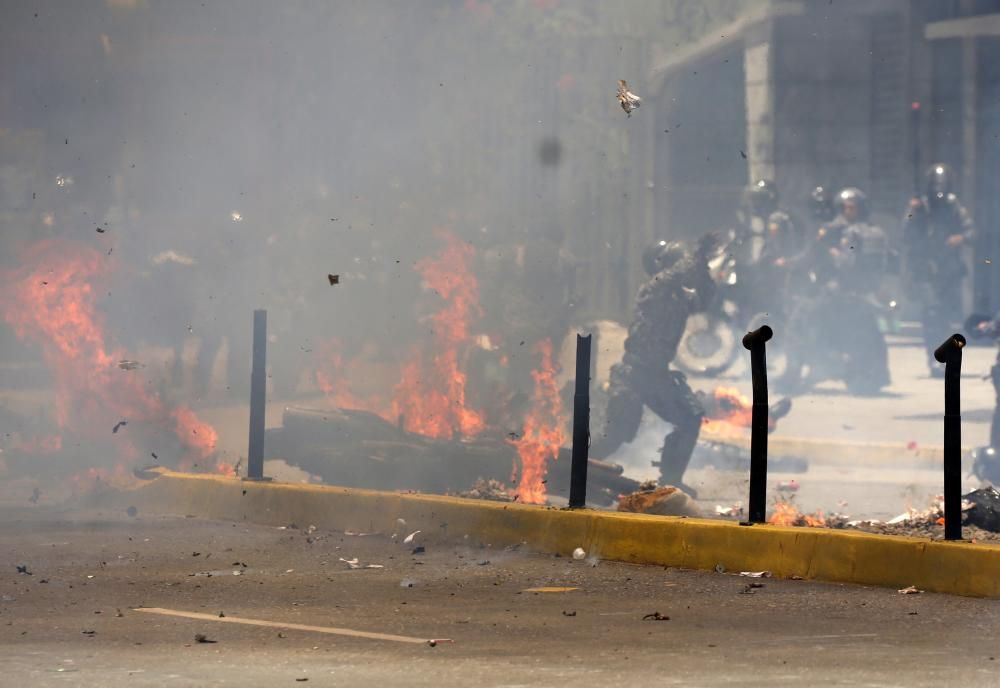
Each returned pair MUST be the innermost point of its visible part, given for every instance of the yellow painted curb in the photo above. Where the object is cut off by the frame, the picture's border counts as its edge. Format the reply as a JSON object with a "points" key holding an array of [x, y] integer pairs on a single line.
{"points": [[838, 452], [812, 553]]}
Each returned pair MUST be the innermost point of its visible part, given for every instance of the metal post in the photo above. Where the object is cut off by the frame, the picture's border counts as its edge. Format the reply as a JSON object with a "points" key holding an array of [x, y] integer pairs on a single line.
{"points": [[755, 341], [258, 392], [950, 353], [581, 425]]}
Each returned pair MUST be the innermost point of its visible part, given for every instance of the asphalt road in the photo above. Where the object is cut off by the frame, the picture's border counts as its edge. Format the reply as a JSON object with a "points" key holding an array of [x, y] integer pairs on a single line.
{"points": [[73, 620]]}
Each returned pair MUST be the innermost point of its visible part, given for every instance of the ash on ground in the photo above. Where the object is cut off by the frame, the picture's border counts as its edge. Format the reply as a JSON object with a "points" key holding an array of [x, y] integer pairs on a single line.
{"points": [[492, 490]]}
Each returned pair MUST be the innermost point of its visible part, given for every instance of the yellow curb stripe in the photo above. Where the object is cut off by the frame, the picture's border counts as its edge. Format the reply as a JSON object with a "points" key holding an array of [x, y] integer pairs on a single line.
{"points": [[815, 553], [278, 624]]}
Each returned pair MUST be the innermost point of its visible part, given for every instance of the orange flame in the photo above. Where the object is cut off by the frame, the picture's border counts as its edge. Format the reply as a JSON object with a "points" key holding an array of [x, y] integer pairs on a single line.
{"points": [[336, 384], [430, 397], [543, 430], [52, 304], [727, 408], [787, 514]]}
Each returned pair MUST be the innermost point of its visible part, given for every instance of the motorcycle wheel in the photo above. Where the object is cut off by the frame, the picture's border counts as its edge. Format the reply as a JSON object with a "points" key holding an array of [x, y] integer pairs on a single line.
{"points": [[709, 346]]}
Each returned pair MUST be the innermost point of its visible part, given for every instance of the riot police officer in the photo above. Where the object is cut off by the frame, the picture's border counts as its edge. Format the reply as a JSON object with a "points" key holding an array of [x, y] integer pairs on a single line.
{"points": [[935, 229], [679, 284], [821, 208]]}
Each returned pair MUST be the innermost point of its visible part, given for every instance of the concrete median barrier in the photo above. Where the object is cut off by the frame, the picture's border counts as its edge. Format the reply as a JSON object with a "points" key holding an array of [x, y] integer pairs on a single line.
{"points": [[959, 568]]}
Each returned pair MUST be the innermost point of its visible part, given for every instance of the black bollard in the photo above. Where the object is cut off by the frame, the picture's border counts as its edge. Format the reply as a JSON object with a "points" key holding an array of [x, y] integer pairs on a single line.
{"points": [[258, 393], [950, 353], [755, 341], [581, 425]]}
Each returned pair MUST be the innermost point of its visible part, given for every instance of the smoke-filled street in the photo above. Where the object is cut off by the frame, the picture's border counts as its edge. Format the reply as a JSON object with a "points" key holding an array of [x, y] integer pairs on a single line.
{"points": [[644, 294]]}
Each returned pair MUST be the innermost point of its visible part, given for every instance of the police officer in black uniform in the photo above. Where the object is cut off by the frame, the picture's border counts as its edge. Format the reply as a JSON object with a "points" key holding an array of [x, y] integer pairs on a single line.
{"points": [[679, 285], [935, 229]]}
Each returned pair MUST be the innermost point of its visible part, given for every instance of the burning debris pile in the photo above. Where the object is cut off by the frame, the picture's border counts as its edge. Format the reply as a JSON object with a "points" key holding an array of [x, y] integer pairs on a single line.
{"points": [[980, 518], [51, 305], [428, 407], [787, 513], [726, 408], [357, 448]]}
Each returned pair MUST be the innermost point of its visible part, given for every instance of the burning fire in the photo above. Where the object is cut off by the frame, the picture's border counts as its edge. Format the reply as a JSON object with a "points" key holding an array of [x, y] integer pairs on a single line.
{"points": [[52, 304], [430, 398], [787, 514], [336, 385], [727, 408], [543, 434]]}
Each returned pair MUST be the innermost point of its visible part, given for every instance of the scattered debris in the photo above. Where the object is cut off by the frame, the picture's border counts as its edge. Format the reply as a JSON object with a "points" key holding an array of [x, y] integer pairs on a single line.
{"points": [[202, 638], [483, 562], [719, 568], [788, 485], [751, 588], [333, 279], [492, 490], [984, 511], [23, 570], [89, 634], [409, 538], [407, 583], [579, 554], [401, 522], [664, 501], [656, 616], [126, 364], [755, 574], [734, 511], [120, 424], [118, 614], [155, 457], [565, 613], [911, 590], [419, 549], [546, 588], [629, 101]]}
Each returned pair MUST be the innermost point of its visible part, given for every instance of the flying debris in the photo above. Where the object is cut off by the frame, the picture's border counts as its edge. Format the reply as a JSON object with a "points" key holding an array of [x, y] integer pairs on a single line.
{"points": [[126, 364], [629, 100], [120, 424], [333, 279]]}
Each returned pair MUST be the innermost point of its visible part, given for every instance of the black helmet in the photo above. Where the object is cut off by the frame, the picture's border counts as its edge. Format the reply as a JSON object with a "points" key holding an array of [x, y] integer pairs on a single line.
{"points": [[940, 182], [661, 255], [761, 198], [857, 197], [821, 204]]}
